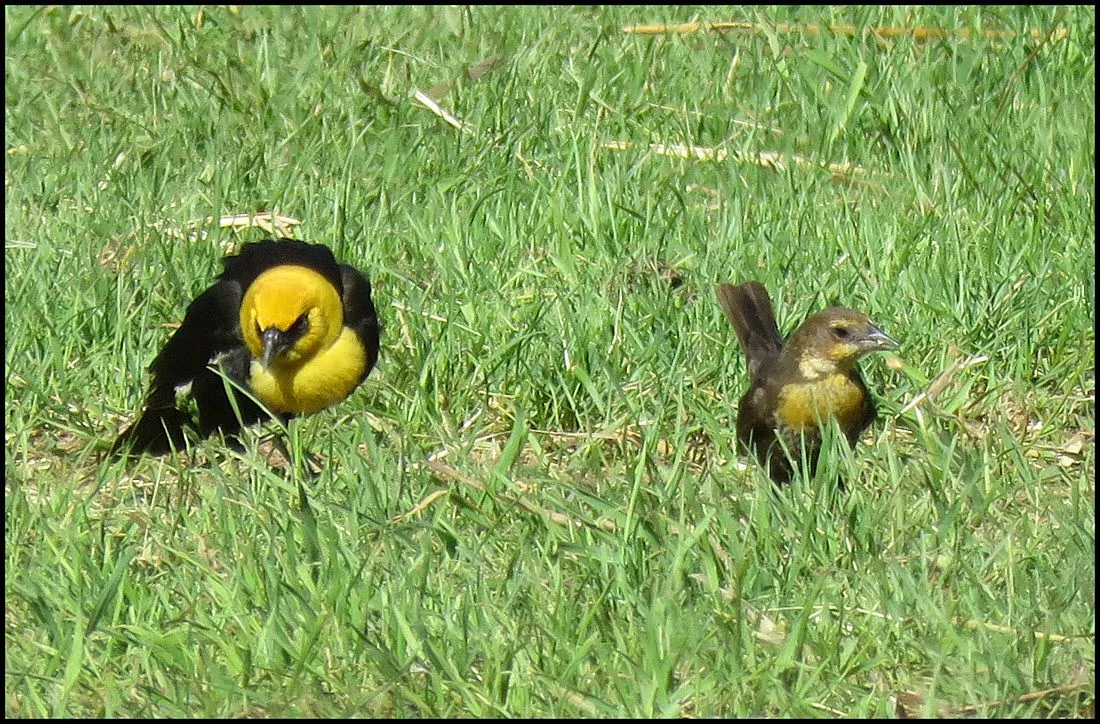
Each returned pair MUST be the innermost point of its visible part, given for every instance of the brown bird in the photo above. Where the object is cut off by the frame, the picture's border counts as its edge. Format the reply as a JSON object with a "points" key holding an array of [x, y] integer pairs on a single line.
{"points": [[797, 386]]}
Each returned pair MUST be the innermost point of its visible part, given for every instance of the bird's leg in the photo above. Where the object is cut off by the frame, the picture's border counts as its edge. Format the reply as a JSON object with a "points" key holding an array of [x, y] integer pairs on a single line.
{"points": [[304, 462]]}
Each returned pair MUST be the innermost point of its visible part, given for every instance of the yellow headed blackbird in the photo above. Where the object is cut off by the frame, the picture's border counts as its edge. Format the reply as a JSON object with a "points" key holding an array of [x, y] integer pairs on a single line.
{"points": [[796, 387], [284, 321]]}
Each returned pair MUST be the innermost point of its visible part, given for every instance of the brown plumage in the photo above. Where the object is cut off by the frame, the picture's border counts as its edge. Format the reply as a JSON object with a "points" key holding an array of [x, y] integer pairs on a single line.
{"points": [[797, 386]]}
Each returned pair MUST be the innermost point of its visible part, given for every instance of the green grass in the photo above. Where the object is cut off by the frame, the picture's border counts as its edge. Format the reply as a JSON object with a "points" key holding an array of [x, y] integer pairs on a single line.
{"points": [[533, 506]]}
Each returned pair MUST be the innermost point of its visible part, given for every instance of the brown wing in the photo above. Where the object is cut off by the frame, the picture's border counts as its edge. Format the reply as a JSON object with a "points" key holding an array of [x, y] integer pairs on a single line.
{"points": [[757, 432], [867, 413]]}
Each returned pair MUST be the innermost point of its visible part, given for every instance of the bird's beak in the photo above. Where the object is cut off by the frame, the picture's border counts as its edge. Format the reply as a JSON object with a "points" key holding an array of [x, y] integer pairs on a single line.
{"points": [[275, 343], [876, 340]]}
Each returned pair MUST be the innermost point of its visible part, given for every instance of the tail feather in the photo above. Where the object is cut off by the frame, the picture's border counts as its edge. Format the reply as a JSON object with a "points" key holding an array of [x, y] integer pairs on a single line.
{"points": [[159, 430], [749, 310]]}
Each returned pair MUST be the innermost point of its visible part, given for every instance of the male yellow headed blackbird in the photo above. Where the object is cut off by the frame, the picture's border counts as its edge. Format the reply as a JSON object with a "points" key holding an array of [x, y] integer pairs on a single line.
{"points": [[284, 321], [796, 387]]}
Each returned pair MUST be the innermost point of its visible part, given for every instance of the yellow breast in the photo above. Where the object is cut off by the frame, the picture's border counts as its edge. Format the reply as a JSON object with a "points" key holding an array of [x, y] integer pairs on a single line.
{"points": [[803, 406], [323, 380]]}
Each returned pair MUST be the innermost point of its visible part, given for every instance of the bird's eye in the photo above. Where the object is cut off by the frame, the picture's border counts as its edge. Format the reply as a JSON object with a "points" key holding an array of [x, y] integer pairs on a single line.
{"points": [[842, 332], [300, 324]]}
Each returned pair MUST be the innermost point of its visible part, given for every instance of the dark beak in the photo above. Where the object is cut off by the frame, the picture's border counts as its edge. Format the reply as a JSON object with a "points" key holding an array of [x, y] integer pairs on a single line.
{"points": [[876, 340], [275, 343]]}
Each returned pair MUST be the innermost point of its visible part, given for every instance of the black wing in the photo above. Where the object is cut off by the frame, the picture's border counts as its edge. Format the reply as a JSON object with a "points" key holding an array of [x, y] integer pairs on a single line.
{"points": [[359, 313], [210, 329]]}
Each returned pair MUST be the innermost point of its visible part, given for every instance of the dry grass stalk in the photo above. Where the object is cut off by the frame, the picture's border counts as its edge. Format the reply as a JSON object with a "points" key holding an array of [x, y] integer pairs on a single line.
{"points": [[974, 624], [944, 379], [768, 159], [449, 472], [425, 100], [910, 705], [920, 34], [270, 222]]}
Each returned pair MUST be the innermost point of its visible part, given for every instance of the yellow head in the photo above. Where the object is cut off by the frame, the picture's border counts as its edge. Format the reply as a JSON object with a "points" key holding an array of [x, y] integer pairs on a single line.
{"points": [[289, 314]]}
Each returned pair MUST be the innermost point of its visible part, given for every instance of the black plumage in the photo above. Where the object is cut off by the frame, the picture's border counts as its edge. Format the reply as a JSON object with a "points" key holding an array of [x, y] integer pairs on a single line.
{"points": [[211, 336]]}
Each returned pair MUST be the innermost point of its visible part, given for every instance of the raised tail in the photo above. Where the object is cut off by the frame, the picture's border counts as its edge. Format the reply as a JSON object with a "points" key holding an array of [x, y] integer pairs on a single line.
{"points": [[749, 310]]}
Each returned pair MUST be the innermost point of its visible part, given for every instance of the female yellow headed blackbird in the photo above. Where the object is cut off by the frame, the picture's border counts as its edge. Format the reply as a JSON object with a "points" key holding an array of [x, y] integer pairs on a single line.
{"points": [[796, 387], [284, 321]]}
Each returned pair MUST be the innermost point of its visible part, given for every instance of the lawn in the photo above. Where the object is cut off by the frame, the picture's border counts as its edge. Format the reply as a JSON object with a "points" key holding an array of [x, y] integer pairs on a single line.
{"points": [[534, 505]]}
